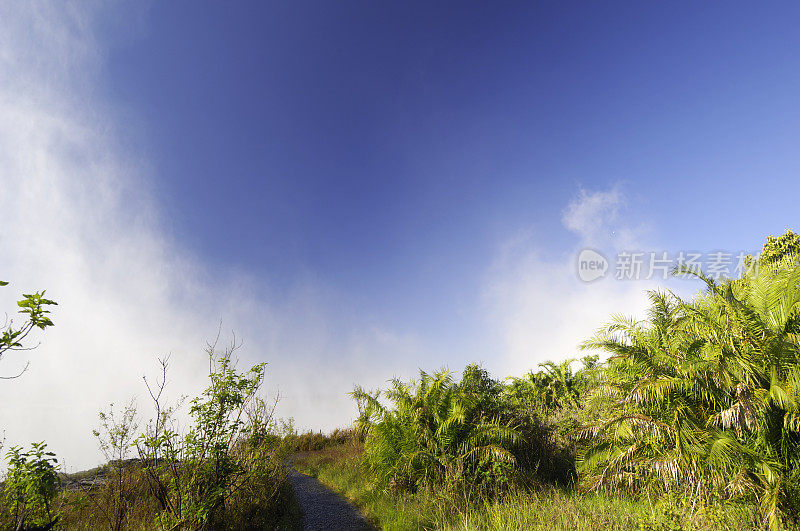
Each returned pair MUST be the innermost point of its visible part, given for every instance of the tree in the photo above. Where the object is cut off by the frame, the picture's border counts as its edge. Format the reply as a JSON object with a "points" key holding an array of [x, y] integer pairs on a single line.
{"points": [[34, 306], [788, 244], [706, 395]]}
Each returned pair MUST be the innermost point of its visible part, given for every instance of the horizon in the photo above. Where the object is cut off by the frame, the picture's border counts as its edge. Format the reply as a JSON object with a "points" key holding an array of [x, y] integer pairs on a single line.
{"points": [[364, 190]]}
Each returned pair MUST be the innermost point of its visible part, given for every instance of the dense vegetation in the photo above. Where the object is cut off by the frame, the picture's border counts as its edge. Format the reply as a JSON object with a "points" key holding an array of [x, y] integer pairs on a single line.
{"points": [[703, 396], [696, 407], [691, 419], [467, 434]]}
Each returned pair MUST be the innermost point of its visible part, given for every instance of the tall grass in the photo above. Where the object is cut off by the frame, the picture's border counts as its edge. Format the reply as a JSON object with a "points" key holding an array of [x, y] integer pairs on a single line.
{"points": [[560, 508], [265, 504]]}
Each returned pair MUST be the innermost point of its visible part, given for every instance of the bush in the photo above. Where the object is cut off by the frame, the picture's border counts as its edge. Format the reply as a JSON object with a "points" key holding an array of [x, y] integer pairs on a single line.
{"points": [[31, 485], [703, 397], [199, 477], [314, 441], [440, 433], [219, 474], [115, 439]]}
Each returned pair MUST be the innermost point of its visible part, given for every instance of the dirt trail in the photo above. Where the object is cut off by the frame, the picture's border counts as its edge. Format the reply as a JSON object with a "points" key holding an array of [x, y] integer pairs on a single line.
{"points": [[322, 508]]}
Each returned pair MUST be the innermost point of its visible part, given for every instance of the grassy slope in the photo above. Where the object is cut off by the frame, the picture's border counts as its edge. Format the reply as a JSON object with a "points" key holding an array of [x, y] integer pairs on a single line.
{"points": [[339, 468]]}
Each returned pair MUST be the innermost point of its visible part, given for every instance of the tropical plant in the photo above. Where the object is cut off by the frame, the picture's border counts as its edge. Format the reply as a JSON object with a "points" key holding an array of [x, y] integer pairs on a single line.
{"points": [[439, 432], [704, 396], [554, 386], [778, 248]]}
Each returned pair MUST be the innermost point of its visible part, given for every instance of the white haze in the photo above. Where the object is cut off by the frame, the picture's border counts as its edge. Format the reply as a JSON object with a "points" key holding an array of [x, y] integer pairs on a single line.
{"points": [[539, 309], [78, 218]]}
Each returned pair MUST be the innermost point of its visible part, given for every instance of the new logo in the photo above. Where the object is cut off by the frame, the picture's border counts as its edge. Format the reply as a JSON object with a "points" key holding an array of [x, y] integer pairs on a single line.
{"points": [[591, 265]]}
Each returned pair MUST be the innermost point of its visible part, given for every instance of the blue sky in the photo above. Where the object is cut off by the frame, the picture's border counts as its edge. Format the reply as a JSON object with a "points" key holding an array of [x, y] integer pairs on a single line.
{"points": [[361, 189], [376, 145]]}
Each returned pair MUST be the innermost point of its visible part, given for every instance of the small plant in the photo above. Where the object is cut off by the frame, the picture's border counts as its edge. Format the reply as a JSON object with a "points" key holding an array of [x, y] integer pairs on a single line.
{"points": [[115, 437], [31, 485], [261, 426]]}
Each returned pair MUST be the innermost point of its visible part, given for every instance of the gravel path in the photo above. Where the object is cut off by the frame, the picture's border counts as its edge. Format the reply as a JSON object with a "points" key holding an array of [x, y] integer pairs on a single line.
{"points": [[322, 508]]}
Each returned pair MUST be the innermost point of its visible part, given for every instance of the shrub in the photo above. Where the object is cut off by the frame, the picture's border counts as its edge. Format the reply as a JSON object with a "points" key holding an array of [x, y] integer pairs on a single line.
{"points": [[115, 438], [210, 474], [439, 433], [31, 485]]}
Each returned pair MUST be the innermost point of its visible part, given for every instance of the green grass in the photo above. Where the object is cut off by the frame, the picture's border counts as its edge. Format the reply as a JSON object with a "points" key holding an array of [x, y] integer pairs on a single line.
{"points": [[270, 504], [340, 469]]}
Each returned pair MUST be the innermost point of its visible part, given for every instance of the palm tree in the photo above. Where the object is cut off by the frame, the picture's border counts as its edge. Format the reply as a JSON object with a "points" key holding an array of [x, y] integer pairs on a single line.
{"points": [[704, 394], [434, 433], [553, 387]]}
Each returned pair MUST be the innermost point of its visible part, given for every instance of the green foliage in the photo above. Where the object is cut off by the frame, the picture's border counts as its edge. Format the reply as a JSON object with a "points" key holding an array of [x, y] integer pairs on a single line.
{"points": [[218, 423], [118, 431], [200, 478], [551, 388], [777, 249], [549, 406], [311, 441], [34, 307], [549, 508], [704, 397], [439, 433], [31, 485], [265, 501]]}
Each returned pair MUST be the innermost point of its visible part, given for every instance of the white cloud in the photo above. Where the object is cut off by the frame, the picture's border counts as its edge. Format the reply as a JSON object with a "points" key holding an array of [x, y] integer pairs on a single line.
{"points": [[601, 219], [77, 218], [590, 213], [539, 309]]}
